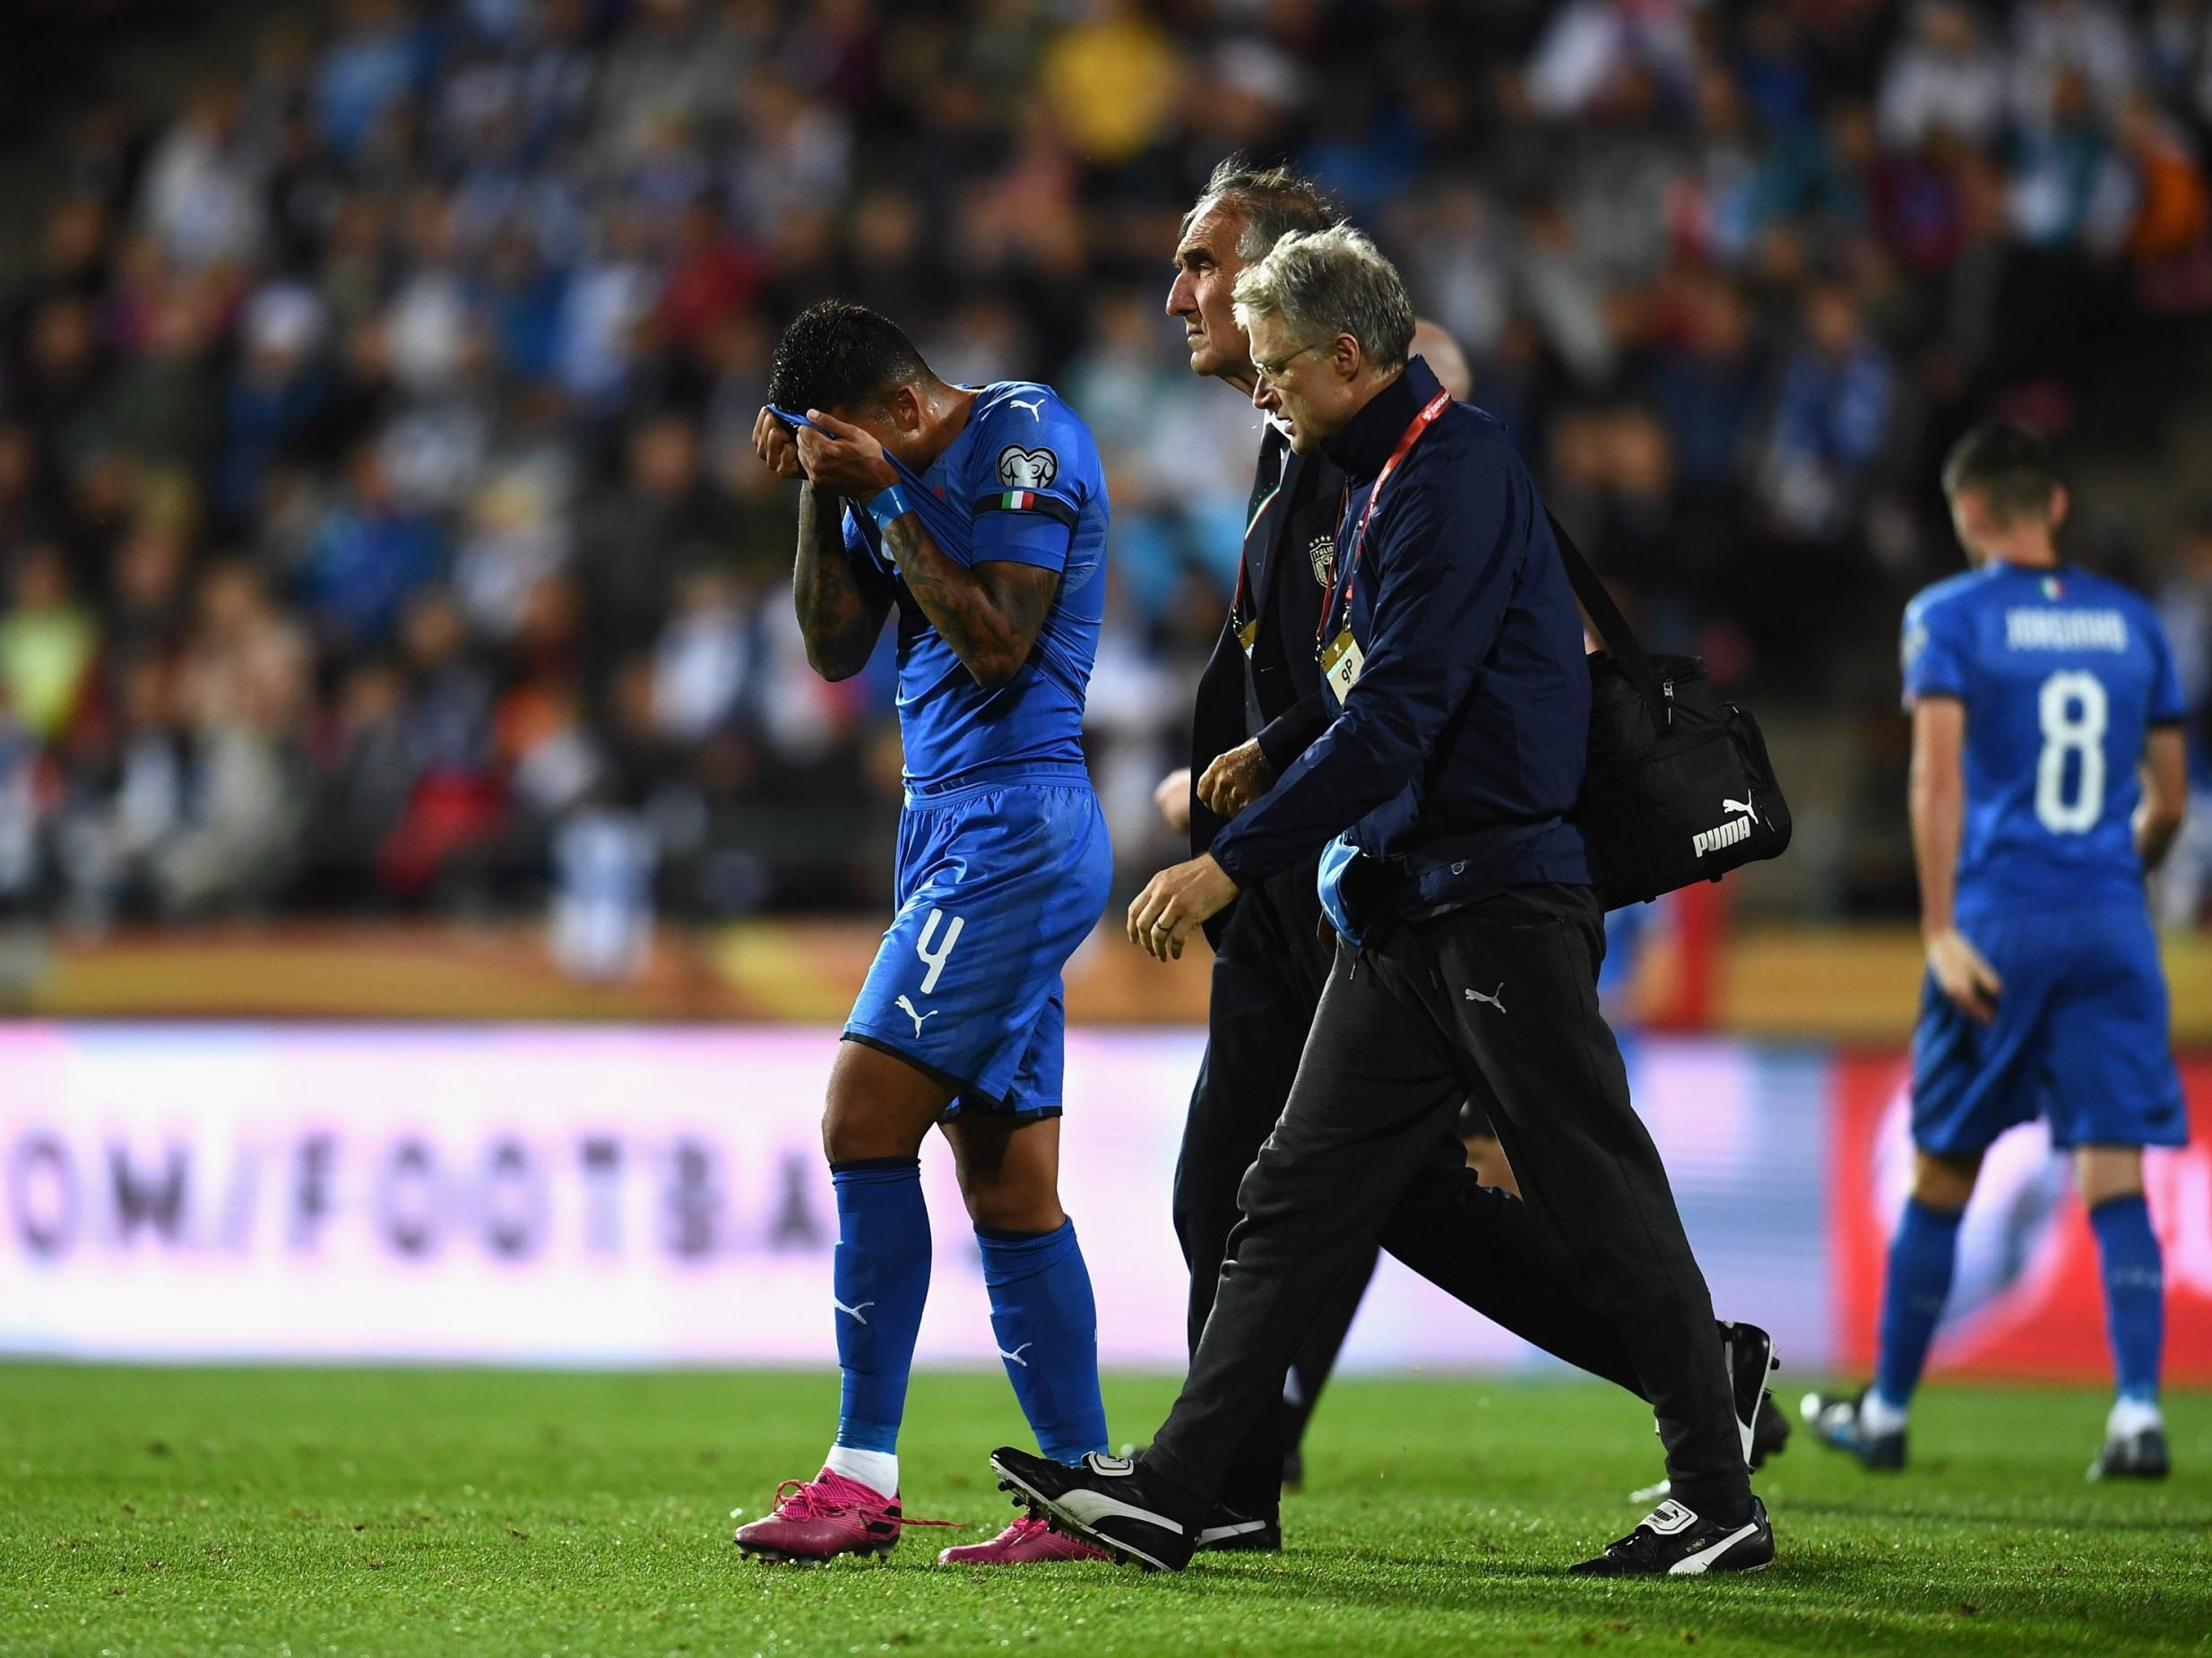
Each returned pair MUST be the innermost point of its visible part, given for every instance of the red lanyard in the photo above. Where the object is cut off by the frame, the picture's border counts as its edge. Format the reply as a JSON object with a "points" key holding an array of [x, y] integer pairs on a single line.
{"points": [[1350, 564]]}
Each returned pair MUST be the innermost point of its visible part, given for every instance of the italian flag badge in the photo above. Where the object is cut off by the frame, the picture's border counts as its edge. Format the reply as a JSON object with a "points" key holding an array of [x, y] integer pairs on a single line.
{"points": [[1018, 501]]}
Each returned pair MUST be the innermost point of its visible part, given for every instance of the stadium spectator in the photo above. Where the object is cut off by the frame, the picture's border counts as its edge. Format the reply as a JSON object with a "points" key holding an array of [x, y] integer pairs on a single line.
{"points": [[48, 642], [368, 557], [1945, 77]]}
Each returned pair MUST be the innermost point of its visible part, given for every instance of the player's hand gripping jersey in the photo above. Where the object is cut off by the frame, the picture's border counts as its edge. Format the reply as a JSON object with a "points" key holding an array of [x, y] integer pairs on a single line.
{"points": [[2061, 675], [1003, 859]]}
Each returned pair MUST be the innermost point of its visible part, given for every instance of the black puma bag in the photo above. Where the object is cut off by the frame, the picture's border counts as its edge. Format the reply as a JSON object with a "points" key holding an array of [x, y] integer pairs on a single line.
{"points": [[1679, 788]]}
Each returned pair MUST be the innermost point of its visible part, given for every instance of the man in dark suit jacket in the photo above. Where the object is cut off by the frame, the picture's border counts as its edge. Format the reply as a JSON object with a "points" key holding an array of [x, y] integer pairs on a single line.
{"points": [[1260, 703]]}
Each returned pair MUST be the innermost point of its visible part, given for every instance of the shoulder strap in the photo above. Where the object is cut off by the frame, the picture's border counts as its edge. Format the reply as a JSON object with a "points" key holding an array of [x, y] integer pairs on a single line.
{"points": [[1612, 628]]}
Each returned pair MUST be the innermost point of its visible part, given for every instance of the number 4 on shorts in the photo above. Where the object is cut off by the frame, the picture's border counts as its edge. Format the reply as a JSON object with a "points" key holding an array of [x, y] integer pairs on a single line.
{"points": [[936, 959]]}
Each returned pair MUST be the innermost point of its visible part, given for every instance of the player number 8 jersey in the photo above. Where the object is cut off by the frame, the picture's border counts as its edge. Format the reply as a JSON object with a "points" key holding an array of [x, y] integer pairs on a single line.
{"points": [[2062, 675]]}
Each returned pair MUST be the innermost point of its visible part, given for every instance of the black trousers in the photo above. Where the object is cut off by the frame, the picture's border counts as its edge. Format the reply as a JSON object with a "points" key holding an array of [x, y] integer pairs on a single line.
{"points": [[1497, 1000], [1476, 1243]]}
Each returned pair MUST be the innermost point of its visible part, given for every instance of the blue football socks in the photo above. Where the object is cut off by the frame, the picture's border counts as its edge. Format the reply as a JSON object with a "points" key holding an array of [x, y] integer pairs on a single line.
{"points": [[881, 1278], [1047, 1324], [2135, 1310], [1919, 1282]]}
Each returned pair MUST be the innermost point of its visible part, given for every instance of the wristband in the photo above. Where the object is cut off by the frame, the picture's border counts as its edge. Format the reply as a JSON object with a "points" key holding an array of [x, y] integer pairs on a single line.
{"points": [[887, 505]]}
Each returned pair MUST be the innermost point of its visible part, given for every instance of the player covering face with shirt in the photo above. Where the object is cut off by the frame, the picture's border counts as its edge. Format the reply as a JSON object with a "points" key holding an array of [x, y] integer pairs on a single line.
{"points": [[2048, 775], [975, 519]]}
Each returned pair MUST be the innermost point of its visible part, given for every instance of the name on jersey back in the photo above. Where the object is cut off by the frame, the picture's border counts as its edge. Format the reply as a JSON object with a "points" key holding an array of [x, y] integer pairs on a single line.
{"points": [[2066, 630]]}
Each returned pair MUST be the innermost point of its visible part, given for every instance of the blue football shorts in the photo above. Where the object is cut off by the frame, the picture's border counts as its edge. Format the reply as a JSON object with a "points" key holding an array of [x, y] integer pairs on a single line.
{"points": [[999, 883], [2081, 1036]]}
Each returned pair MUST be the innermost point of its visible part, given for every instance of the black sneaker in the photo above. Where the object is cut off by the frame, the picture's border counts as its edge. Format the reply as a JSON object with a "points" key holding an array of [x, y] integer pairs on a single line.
{"points": [[1770, 1434], [2133, 1457], [1673, 1542], [1749, 1352], [1834, 1419], [1106, 1500], [1226, 1530]]}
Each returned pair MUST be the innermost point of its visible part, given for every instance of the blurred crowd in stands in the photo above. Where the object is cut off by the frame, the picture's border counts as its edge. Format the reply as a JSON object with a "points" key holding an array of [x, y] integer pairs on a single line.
{"points": [[380, 531]]}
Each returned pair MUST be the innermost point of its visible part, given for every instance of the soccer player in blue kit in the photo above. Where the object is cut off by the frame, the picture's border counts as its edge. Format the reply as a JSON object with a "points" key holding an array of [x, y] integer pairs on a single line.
{"points": [[2048, 775], [978, 518]]}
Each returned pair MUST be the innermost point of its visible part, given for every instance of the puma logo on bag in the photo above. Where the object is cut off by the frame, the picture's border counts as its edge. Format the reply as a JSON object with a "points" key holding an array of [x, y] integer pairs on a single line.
{"points": [[1733, 832]]}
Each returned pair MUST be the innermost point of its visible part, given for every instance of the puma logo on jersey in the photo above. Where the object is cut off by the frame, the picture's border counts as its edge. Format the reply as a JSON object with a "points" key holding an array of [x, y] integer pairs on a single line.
{"points": [[1035, 405], [909, 1009], [1016, 1356], [860, 1312], [1496, 998]]}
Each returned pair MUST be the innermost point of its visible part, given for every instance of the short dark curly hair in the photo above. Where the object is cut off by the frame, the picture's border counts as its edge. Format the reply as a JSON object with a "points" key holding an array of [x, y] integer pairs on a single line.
{"points": [[839, 355], [2008, 465]]}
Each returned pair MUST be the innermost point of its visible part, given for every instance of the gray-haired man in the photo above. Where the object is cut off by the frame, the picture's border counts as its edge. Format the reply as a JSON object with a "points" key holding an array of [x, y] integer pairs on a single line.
{"points": [[1461, 889], [1260, 705]]}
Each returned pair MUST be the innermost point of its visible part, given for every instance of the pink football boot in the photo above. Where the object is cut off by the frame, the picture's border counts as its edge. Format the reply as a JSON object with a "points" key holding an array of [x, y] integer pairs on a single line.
{"points": [[1027, 1541], [821, 1518]]}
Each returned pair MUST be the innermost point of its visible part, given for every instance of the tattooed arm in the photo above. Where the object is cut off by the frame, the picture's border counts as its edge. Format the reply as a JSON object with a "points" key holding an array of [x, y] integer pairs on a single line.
{"points": [[841, 604], [988, 614]]}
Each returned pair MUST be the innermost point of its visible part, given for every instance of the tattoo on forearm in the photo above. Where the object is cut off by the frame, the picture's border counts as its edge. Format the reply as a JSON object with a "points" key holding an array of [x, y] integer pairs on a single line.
{"points": [[840, 610], [988, 615]]}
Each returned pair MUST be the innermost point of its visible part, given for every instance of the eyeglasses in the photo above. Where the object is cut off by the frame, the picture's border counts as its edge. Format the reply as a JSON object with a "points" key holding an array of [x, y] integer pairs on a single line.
{"points": [[1274, 371]]}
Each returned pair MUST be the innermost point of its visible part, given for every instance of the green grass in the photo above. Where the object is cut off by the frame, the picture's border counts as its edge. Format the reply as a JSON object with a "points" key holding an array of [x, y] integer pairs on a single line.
{"points": [[352, 1512]]}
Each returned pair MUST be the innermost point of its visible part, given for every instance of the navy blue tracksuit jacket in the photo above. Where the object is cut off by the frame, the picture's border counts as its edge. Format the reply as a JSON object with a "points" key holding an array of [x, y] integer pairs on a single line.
{"points": [[1458, 755]]}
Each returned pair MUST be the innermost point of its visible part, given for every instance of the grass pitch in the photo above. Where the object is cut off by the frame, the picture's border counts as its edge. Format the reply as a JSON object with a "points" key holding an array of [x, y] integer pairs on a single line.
{"points": [[419, 1512]]}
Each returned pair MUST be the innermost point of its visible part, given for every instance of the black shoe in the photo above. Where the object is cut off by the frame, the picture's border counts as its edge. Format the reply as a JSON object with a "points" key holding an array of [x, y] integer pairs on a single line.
{"points": [[1673, 1542], [1106, 1500], [1770, 1434], [2134, 1457], [1226, 1530], [1749, 1352], [1834, 1419]]}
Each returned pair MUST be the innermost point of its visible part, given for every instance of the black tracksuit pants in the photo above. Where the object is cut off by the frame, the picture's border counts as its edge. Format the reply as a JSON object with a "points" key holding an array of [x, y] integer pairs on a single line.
{"points": [[1472, 1240], [1496, 1000], [1267, 977]]}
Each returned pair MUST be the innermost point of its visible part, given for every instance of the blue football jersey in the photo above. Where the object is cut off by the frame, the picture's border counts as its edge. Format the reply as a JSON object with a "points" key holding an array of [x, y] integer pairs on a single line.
{"points": [[1021, 482], [2062, 673]]}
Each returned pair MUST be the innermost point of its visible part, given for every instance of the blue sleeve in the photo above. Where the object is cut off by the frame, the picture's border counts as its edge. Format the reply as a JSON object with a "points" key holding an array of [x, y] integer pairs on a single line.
{"points": [[864, 546], [1445, 558], [2166, 705], [1933, 651], [1034, 470]]}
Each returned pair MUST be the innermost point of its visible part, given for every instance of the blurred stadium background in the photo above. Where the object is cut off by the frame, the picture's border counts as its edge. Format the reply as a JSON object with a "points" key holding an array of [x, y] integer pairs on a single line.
{"points": [[430, 877]]}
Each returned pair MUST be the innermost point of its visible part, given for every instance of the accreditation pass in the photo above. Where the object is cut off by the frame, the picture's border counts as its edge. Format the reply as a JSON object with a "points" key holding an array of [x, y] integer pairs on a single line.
{"points": [[1340, 663]]}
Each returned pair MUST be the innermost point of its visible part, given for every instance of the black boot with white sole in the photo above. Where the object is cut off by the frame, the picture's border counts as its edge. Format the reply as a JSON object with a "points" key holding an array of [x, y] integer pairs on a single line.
{"points": [[1674, 1541], [1106, 1500]]}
